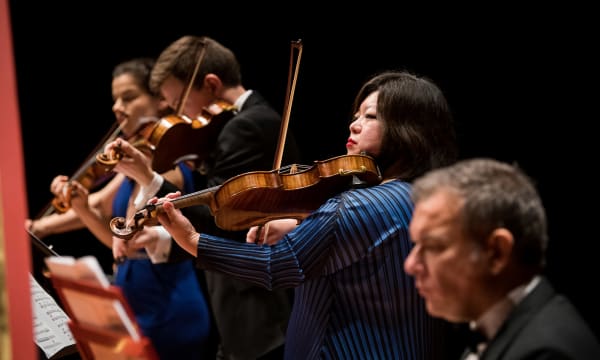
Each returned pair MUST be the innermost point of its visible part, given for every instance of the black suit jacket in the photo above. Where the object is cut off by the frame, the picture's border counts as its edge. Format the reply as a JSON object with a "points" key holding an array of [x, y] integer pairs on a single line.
{"points": [[545, 325], [251, 320]]}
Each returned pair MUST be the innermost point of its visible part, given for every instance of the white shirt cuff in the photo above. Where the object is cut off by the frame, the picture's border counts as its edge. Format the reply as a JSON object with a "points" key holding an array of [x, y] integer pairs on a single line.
{"points": [[147, 192], [163, 246]]}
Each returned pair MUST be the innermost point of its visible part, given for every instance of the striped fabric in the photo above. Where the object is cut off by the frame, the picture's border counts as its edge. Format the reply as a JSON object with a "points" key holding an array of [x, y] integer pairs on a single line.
{"points": [[353, 299]]}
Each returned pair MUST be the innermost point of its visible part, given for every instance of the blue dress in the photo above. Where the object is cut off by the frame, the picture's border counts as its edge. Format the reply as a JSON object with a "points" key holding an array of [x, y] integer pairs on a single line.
{"points": [[166, 298]]}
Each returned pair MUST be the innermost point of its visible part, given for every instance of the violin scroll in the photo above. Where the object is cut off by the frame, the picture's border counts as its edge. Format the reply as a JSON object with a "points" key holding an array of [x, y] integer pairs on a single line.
{"points": [[144, 217], [110, 160], [119, 228]]}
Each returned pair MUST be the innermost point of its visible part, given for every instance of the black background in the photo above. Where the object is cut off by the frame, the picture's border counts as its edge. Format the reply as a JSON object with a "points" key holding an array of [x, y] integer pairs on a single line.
{"points": [[520, 82]]}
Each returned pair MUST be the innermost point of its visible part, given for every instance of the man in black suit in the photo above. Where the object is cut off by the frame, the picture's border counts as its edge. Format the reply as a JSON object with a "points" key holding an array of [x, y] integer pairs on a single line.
{"points": [[480, 236], [251, 320]]}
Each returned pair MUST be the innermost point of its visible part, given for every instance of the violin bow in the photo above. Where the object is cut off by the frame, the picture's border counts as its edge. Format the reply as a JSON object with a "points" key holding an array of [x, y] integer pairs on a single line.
{"points": [[190, 84], [287, 110], [289, 96]]}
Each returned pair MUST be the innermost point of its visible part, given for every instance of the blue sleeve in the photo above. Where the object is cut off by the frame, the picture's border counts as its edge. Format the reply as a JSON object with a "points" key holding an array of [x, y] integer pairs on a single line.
{"points": [[188, 178], [344, 230]]}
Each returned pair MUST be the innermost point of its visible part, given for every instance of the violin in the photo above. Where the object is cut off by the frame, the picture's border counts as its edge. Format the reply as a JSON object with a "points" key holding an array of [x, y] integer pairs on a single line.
{"points": [[89, 174], [257, 197], [234, 203], [94, 173], [176, 138]]}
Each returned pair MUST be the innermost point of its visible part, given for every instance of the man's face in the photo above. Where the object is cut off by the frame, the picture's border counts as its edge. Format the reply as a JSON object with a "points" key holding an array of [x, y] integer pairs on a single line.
{"points": [[448, 267], [172, 90]]}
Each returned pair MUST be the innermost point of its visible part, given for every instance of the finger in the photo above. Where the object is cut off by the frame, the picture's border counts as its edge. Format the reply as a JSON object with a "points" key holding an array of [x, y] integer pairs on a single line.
{"points": [[57, 183], [171, 212], [117, 250], [111, 146], [139, 240], [77, 189], [167, 214], [66, 192], [251, 235], [130, 150], [64, 189], [137, 243], [173, 195], [126, 147], [168, 207]]}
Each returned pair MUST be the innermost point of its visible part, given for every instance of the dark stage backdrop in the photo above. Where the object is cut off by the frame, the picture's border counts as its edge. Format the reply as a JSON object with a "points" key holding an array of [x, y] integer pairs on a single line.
{"points": [[516, 79]]}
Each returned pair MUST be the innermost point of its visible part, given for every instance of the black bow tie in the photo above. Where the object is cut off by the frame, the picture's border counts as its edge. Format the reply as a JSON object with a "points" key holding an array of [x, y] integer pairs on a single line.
{"points": [[474, 338]]}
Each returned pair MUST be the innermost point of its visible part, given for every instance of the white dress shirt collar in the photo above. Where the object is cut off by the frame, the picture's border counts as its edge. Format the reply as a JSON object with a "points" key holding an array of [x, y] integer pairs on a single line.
{"points": [[242, 100], [489, 323]]}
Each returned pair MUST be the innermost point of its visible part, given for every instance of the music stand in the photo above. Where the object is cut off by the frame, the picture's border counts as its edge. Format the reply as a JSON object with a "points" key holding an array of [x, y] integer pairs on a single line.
{"points": [[102, 344], [102, 322], [39, 251]]}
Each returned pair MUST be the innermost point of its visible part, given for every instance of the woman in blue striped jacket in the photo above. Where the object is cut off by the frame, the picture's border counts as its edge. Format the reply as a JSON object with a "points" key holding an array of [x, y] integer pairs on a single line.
{"points": [[345, 261]]}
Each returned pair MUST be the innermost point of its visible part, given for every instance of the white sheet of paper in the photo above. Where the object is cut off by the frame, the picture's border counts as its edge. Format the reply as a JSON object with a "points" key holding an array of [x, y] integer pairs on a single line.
{"points": [[50, 322]]}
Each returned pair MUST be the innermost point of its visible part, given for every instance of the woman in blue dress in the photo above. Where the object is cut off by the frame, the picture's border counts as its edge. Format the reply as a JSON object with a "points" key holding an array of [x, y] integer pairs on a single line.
{"points": [[167, 299]]}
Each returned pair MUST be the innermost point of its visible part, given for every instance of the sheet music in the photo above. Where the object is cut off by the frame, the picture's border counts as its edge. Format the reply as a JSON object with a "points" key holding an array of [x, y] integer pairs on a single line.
{"points": [[51, 331], [88, 308]]}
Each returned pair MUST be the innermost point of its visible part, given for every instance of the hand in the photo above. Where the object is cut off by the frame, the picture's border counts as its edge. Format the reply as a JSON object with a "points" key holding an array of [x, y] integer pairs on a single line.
{"points": [[135, 164], [29, 225], [79, 196], [271, 232], [35, 228], [59, 185], [62, 192], [66, 191], [145, 238], [180, 228], [119, 248], [38, 227]]}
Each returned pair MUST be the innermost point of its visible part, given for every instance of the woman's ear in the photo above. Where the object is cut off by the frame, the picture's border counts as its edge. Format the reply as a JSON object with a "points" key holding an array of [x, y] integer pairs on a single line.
{"points": [[499, 248]]}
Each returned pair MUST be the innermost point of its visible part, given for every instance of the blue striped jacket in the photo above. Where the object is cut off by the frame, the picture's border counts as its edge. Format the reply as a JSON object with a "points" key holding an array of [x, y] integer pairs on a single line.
{"points": [[353, 299]]}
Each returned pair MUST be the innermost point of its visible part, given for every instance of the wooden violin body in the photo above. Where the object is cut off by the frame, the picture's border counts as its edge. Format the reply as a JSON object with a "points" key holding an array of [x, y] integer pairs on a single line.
{"points": [[258, 197], [177, 138], [90, 176]]}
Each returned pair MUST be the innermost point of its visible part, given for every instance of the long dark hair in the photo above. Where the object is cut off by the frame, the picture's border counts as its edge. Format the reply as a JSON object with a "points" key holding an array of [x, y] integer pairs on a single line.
{"points": [[418, 130]]}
